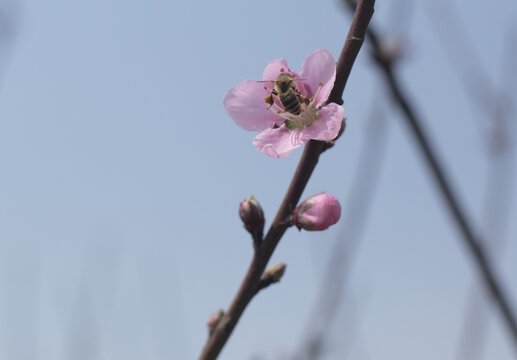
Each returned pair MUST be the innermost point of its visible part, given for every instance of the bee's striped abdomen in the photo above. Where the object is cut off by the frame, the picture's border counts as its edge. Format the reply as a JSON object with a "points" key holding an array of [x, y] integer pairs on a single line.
{"points": [[290, 102]]}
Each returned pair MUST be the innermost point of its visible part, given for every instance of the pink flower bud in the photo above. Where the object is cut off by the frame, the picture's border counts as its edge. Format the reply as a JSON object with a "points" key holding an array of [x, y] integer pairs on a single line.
{"points": [[214, 320], [317, 212], [252, 215]]}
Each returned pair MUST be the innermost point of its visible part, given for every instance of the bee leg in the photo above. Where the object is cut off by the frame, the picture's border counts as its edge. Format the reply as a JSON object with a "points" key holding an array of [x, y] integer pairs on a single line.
{"points": [[303, 100], [269, 99]]}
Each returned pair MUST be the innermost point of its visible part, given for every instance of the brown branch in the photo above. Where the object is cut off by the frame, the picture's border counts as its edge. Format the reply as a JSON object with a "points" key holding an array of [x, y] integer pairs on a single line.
{"points": [[303, 172], [473, 243], [354, 41]]}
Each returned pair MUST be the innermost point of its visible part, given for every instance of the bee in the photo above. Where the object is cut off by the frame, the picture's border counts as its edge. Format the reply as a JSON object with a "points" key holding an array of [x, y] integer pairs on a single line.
{"points": [[283, 88]]}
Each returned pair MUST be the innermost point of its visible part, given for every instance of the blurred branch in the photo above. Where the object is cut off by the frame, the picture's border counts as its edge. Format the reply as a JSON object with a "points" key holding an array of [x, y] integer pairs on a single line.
{"points": [[308, 161], [461, 55], [497, 200], [473, 243], [345, 246], [473, 76], [83, 338], [493, 104], [9, 24]]}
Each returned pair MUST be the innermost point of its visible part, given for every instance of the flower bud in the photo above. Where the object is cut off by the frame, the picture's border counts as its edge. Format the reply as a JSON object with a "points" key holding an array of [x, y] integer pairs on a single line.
{"points": [[271, 275], [275, 272], [317, 212], [252, 216], [214, 319]]}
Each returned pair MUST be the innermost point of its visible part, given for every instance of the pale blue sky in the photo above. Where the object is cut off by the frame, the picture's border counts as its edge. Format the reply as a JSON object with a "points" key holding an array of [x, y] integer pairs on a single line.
{"points": [[122, 174]]}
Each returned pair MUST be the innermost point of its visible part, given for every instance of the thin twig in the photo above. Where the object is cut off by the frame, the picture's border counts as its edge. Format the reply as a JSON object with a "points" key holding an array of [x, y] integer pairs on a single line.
{"points": [[473, 243], [303, 172]]}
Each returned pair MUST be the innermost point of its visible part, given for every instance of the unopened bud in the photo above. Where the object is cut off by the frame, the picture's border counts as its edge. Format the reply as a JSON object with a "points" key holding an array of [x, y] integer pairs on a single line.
{"points": [[252, 216], [392, 49], [317, 212], [275, 272], [214, 320]]}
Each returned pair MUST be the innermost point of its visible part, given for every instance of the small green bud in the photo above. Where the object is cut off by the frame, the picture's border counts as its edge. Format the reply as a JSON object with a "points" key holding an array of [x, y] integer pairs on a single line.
{"points": [[275, 272]]}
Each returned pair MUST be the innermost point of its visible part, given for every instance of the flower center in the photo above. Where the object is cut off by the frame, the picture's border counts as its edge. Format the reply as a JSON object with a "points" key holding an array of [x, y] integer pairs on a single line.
{"points": [[307, 116]]}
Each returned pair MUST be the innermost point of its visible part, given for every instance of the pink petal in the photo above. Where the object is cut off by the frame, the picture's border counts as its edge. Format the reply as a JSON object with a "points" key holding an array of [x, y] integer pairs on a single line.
{"points": [[327, 126], [278, 143], [319, 67], [273, 69], [278, 66], [246, 106]]}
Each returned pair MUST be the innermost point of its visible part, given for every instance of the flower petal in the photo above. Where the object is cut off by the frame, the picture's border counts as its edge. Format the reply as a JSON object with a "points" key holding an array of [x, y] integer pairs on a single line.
{"points": [[279, 142], [319, 67], [277, 67], [273, 69], [246, 106], [327, 126]]}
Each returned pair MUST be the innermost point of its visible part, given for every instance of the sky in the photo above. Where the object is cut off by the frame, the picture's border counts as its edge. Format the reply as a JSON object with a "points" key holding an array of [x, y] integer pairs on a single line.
{"points": [[121, 176]]}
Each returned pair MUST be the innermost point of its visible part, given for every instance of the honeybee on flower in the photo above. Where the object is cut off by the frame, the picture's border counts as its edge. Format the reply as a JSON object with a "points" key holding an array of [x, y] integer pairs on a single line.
{"points": [[286, 92], [287, 123]]}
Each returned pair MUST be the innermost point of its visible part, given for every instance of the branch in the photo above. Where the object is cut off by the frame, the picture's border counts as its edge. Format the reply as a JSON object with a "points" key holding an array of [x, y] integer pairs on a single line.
{"points": [[473, 243], [308, 161]]}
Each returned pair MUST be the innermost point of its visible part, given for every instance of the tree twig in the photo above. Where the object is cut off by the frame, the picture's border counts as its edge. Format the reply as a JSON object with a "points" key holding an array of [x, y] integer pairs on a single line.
{"points": [[303, 172]]}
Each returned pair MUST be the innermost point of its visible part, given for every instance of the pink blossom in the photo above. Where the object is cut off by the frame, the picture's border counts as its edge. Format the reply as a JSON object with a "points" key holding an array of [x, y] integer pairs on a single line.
{"points": [[282, 131], [317, 212]]}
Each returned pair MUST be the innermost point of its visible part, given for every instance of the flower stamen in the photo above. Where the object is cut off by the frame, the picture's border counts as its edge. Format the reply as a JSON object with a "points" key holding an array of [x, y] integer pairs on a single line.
{"points": [[308, 112]]}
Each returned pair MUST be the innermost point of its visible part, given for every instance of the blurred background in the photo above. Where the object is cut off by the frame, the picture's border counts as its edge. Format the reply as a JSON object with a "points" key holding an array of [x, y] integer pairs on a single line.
{"points": [[121, 176]]}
